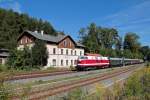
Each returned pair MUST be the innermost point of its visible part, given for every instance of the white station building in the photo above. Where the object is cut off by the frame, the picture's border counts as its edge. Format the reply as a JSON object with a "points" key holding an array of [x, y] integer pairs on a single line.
{"points": [[63, 51]]}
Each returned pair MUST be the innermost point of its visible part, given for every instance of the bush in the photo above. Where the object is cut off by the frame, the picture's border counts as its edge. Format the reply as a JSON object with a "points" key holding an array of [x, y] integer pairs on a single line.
{"points": [[147, 64], [72, 68], [136, 87], [3, 68], [50, 68], [5, 89], [76, 94]]}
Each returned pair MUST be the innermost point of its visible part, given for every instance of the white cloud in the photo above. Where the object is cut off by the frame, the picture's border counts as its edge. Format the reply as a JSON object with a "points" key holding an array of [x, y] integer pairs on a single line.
{"points": [[136, 14], [133, 19], [16, 7]]}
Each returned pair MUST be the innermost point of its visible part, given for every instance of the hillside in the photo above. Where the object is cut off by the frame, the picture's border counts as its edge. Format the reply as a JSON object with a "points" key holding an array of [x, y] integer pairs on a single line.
{"points": [[13, 23]]}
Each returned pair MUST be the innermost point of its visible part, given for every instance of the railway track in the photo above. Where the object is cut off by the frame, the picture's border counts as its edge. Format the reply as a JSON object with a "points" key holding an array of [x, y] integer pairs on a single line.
{"points": [[40, 95], [38, 74]]}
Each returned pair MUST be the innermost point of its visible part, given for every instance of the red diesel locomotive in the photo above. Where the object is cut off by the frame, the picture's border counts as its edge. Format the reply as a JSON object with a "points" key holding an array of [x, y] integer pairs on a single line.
{"points": [[92, 60]]}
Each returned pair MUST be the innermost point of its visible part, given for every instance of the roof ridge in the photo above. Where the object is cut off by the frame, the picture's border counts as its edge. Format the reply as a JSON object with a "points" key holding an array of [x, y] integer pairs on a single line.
{"points": [[51, 38]]}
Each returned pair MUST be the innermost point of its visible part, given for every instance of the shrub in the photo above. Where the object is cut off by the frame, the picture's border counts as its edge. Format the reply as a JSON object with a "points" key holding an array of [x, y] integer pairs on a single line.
{"points": [[3, 68], [138, 85], [51, 68], [72, 68], [5, 89], [76, 94]]}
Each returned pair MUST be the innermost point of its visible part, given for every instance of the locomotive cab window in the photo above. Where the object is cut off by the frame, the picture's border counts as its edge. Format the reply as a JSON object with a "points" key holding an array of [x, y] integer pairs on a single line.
{"points": [[83, 57]]}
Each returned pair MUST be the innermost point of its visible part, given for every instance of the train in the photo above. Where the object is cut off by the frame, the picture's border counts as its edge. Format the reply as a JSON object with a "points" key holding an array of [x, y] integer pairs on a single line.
{"points": [[97, 61]]}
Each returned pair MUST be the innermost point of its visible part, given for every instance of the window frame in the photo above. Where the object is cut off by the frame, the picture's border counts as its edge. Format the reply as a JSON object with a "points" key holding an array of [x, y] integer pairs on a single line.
{"points": [[54, 50], [54, 62], [62, 51]]}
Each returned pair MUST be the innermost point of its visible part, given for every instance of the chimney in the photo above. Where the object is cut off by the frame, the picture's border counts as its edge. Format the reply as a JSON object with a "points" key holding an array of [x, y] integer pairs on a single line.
{"points": [[36, 31], [42, 32]]}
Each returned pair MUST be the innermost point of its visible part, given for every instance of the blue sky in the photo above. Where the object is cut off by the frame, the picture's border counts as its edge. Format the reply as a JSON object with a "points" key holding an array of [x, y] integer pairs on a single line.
{"points": [[70, 15]]}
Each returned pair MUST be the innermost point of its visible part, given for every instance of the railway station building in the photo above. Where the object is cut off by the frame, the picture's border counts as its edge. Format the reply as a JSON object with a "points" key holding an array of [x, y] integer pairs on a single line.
{"points": [[63, 50]]}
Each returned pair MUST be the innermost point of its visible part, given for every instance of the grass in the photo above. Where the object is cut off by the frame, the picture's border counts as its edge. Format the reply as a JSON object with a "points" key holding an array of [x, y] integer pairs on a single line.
{"points": [[136, 87], [13, 72]]}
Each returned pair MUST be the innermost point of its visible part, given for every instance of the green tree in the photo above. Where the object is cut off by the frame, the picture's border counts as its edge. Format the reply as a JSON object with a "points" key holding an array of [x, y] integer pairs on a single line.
{"points": [[96, 38], [29, 58], [119, 43], [20, 59], [12, 25], [39, 53], [145, 50], [131, 42]]}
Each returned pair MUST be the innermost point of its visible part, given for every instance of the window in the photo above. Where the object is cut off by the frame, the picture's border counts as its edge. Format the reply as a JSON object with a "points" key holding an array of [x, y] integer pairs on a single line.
{"points": [[80, 53], [75, 53], [71, 62], [66, 52], [54, 62], [75, 62], [70, 43], [62, 51], [67, 62], [54, 50], [21, 41], [83, 57], [65, 43], [61, 62], [71, 52], [26, 41]]}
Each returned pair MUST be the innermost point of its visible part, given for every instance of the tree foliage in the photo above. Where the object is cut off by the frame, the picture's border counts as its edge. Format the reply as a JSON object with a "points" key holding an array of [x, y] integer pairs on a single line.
{"points": [[12, 24], [20, 59], [145, 50], [29, 58], [39, 53], [131, 42], [107, 42], [96, 38]]}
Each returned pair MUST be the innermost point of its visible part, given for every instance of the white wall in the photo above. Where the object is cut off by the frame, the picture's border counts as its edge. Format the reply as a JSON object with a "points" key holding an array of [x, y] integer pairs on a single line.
{"points": [[3, 60], [58, 56]]}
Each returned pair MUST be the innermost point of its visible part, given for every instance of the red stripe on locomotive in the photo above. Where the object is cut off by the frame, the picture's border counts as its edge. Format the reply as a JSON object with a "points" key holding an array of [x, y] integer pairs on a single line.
{"points": [[92, 60]]}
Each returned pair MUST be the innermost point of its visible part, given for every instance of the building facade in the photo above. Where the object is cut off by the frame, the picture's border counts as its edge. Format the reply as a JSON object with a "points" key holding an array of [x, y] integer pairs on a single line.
{"points": [[63, 51], [4, 54]]}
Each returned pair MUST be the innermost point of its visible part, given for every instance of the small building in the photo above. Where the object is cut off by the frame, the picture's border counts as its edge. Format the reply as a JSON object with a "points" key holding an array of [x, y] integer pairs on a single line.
{"points": [[63, 51], [4, 53]]}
